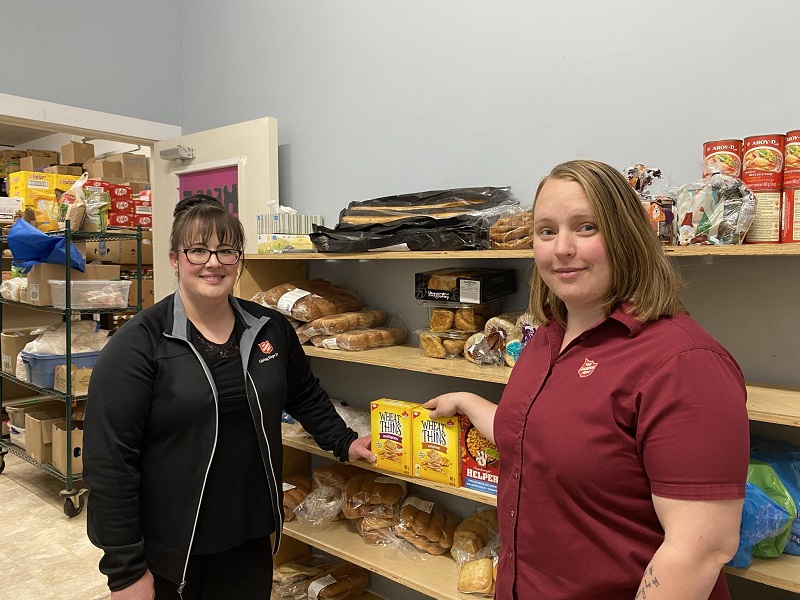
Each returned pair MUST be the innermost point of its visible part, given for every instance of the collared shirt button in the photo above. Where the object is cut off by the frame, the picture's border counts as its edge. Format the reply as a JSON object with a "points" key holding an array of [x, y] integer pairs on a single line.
{"points": [[512, 514], [516, 474], [510, 554]]}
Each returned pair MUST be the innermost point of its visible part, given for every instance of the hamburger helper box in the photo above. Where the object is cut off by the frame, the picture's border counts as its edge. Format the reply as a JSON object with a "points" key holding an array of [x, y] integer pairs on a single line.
{"points": [[480, 460], [471, 286], [390, 426]]}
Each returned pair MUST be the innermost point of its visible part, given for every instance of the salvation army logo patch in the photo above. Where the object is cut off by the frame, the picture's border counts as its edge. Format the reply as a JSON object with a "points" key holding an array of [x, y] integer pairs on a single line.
{"points": [[265, 347], [587, 368]]}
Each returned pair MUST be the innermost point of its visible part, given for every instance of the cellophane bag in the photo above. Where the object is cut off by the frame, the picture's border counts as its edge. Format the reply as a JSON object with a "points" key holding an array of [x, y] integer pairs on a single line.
{"points": [[325, 501]]}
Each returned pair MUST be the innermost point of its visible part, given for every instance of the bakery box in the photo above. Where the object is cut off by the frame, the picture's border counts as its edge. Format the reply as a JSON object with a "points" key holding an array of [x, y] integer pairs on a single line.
{"points": [[470, 286]]}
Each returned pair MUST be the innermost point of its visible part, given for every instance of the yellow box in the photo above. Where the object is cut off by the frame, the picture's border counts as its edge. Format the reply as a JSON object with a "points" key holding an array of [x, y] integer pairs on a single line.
{"points": [[280, 242], [64, 182], [30, 185], [436, 447], [391, 434]]}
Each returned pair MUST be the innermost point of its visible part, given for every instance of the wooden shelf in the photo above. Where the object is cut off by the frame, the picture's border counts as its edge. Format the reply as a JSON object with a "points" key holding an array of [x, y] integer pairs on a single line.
{"points": [[737, 250], [782, 572], [435, 576], [773, 405], [312, 448], [409, 358]]}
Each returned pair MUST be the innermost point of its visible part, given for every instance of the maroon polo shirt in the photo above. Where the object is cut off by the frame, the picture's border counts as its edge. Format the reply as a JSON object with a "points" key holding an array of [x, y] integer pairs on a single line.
{"points": [[626, 411]]}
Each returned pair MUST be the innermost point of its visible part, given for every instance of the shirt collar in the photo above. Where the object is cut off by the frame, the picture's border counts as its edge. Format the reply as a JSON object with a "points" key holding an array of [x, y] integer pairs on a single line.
{"points": [[623, 314]]}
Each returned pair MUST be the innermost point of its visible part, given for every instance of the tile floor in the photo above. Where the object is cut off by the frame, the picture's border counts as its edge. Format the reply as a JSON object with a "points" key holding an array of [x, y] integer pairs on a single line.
{"points": [[44, 555]]}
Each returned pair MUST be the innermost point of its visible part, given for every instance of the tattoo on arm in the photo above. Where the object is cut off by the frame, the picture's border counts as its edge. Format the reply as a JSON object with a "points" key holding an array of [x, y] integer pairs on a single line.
{"points": [[649, 581]]}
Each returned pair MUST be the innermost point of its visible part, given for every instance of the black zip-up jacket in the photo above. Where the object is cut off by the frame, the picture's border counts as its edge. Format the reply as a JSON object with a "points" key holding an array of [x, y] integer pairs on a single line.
{"points": [[151, 429]]}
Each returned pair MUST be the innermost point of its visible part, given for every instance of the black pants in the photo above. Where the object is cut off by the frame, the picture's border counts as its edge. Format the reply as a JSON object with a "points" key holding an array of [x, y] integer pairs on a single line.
{"points": [[244, 573]]}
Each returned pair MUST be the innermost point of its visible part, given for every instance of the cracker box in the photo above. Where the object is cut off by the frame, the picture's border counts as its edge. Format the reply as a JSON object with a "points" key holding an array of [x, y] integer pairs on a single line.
{"points": [[480, 460], [391, 434], [436, 447]]}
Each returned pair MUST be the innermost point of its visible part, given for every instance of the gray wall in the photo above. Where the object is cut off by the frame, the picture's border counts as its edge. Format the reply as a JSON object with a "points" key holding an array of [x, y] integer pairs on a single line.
{"points": [[114, 56], [376, 98]]}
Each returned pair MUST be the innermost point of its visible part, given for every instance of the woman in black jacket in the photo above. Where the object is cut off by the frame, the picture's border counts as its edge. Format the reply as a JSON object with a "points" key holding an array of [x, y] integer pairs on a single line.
{"points": [[182, 438]]}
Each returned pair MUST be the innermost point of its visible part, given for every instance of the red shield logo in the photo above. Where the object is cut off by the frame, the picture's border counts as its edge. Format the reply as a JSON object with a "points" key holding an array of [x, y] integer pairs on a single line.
{"points": [[265, 346], [587, 368]]}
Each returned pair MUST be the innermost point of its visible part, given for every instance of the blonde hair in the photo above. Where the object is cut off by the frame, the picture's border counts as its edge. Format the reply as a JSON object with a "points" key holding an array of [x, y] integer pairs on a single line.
{"points": [[640, 273]]}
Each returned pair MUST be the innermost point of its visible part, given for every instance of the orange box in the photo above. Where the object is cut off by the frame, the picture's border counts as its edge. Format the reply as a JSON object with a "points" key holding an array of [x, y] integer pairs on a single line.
{"points": [[436, 447], [480, 460], [391, 434]]}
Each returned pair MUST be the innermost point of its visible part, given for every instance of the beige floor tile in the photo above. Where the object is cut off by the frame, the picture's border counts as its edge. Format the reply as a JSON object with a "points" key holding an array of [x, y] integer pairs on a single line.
{"points": [[45, 555]]}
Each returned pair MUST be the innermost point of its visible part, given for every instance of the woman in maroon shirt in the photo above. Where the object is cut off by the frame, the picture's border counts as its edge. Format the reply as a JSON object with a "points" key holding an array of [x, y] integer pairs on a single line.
{"points": [[623, 429]]}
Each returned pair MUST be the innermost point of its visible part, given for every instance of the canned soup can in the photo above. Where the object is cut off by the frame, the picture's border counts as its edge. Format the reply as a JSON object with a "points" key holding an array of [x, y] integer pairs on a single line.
{"points": [[722, 156], [791, 160], [762, 168], [790, 216]]}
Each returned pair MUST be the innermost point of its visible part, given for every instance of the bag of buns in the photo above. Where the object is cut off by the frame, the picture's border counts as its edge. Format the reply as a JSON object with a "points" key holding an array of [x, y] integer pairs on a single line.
{"points": [[325, 501], [295, 490], [372, 494], [308, 300], [319, 578], [426, 525]]}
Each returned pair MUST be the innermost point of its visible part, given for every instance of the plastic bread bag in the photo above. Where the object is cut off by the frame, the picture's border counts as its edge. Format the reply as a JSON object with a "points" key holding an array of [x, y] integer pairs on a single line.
{"points": [[11, 289], [72, 205], [474, 533], [339, 323], [659, 208], [295, 490], [325, 501], [478, 350], [357, 419], [426, 525], [512, 230], [356, 340], [309, 299], [715, 210], [514, 345], [319, 578], [477, 573], [372, 494]]}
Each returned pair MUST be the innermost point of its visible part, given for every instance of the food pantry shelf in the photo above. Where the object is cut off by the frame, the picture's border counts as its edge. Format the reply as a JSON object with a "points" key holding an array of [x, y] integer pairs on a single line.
{"points": [[312, 448], [782, 572], [435, 576]]}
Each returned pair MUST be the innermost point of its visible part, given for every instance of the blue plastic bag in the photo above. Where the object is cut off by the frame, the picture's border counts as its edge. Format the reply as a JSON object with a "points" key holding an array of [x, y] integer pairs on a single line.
{"points": [[29, 246], [784, 458], [762, 518]]}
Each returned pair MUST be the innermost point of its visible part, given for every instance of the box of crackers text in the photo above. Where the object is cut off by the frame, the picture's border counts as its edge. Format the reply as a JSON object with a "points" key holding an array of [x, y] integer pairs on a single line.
{"points": [[390, 424], [436, 444], [480, 460]]}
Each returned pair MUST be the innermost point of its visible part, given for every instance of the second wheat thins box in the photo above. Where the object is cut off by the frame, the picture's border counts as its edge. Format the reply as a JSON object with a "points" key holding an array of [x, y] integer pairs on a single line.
{"points": [[470, 286]]}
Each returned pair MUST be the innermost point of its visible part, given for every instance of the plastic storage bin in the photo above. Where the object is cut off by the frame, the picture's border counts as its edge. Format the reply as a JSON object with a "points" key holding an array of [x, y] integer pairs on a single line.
{"points": [[90, 293], [42, 367]]}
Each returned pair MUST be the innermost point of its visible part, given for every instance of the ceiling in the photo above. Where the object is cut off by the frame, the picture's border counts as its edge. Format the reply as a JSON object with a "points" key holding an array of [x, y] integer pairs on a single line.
{"points": [[14, 135]]}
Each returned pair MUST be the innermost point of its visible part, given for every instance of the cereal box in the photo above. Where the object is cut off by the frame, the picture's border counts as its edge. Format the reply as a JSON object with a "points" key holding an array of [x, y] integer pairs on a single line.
{"points": [[436, 454], [480, 460], [391, 434]]}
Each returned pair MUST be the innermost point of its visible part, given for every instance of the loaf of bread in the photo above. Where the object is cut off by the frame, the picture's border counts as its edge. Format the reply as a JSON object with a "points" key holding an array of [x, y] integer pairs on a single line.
{"points": [[333, 324], [324, 503], [475, 577], [370, 494], [525, 243], [311, 299], [512, 233], [295, 490], [474, 532], [349, 582], [426, 525], [382, 536], [362, 339], [318, 577]]}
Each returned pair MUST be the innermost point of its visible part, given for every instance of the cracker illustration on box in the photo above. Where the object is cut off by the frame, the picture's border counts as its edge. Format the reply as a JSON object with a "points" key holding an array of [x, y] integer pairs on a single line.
{"points": [[436, 447], [391, 434]]}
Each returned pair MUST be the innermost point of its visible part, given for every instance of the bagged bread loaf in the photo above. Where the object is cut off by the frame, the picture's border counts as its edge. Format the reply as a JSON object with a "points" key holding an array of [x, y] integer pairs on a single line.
{"points": [[333, 324], [476, 544], [362, 339], [295, 490], [378, 536], [320, 578], [309, 299], [512, 233], [425, 524], [474, 532], [370, 494], [477, 577], [325, 501]]}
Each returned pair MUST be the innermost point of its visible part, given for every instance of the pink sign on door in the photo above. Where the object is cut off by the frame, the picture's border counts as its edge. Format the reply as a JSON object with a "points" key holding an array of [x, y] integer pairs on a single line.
{"points": [[221, 183]]}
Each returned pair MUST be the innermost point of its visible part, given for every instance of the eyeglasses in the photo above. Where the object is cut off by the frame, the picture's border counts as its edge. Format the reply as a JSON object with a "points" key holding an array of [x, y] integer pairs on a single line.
{"points": [[200, 256]]}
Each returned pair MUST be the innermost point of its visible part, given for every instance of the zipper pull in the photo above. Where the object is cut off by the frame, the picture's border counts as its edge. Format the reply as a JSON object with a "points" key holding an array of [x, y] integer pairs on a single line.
{"points": [[180, 589]]}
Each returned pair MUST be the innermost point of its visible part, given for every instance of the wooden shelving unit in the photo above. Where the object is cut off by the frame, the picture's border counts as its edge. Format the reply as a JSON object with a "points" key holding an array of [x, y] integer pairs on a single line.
{"points": [[312, 448], [782, 572], [435, 576]]}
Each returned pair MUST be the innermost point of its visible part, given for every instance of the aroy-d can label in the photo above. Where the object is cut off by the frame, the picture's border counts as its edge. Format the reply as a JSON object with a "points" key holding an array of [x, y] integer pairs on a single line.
{"points": [[791, 160], [763, 162], [722, 156], [790, 216], [766, 225]]}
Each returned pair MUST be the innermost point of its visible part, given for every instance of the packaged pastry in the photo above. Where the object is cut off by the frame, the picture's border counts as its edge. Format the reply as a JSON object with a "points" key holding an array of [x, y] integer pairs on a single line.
{"points": [[468, 286], [390, 427], [436, 447], [442, 344]]}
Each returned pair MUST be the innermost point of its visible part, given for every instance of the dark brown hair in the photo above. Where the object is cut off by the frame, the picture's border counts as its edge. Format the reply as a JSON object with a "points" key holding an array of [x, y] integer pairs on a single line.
{"points": [[198, 217]]}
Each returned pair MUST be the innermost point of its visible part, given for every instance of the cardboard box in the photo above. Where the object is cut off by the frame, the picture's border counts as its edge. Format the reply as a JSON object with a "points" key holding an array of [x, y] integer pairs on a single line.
{"points": [[30, 185], [16, 414], [8, 206], [80, 379], [49, 154], [480, 460], [281, 242], [64, 170], [35, 163], [8, 155], [59, 448], [392, 434], [39, 289], [75, 153], [116, 191], [102, 169], [148, 293], [64, 182], [11, 342], [8, 167], [121, 252], [470, 286], [39, 435], [134, 166], [59, 455], [437, 447], [138, 186]]}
